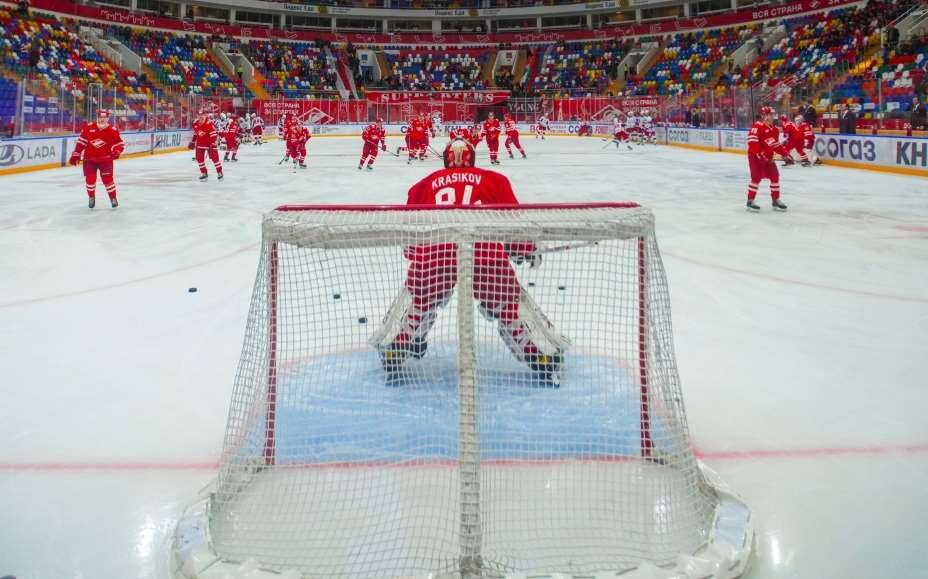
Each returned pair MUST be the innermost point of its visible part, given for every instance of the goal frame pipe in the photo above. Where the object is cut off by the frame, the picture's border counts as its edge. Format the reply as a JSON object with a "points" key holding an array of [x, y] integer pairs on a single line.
{"points": [[270, 418], [488, 207]]}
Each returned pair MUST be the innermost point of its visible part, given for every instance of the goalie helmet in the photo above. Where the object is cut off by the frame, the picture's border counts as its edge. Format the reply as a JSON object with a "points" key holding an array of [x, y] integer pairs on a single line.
{"points": [[458, 153]]}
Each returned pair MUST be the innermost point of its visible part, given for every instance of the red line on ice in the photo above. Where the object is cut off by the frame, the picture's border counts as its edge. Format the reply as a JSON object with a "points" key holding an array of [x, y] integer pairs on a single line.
{"points": [[708, 455], [786, 280], [127, 282]]}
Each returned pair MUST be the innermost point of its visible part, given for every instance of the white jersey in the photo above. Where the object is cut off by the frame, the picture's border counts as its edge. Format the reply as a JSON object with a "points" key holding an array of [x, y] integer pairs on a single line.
{"points": [[436, 124], [221, 125], [257, 121], [618, 125], [543, 122]]}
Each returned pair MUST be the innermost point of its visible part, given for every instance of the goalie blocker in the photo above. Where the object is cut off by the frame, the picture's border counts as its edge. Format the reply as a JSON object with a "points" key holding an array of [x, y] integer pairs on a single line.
{"points": [[432, 275]]}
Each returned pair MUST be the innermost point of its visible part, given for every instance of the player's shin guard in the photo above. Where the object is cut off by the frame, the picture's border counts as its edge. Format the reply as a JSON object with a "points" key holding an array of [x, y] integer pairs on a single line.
{"points": [[90, 183], [530, 336], [110, 186], [775, 191]]}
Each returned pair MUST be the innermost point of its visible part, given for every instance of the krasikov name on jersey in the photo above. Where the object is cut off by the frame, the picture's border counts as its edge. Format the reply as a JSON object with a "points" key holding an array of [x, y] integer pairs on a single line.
{"points": [[446, 180]]}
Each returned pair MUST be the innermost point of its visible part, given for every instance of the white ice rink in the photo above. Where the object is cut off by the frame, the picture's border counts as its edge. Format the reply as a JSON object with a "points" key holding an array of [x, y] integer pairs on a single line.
{"points": [[802, 343]]}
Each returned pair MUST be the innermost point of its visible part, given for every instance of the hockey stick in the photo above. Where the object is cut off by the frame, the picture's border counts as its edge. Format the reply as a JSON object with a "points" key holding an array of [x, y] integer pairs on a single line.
{"points": [[434, 152], [286, 156], [568, 247]]}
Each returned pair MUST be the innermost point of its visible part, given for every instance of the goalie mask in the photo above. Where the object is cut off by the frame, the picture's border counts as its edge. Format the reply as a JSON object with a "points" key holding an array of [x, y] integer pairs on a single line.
{"points": [[458, 153]]}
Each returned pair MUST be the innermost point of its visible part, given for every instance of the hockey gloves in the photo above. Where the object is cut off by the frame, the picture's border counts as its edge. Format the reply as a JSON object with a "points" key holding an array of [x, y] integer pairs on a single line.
{"points": [[75, 158]]}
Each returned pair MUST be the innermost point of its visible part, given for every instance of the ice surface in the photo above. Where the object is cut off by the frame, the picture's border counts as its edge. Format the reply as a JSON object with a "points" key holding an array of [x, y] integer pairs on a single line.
{"points": [[801, 340]]}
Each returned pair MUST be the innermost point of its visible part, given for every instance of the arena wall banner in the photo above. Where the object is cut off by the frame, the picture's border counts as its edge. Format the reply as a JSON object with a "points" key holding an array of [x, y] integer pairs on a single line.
{"points": [[128, 18], [480, 97], [314, 112], [29, 154], [895, 154]]}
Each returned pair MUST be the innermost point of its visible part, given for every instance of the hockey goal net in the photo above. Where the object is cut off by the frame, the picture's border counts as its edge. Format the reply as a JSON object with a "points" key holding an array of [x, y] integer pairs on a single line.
{"points": [[536, 428]]}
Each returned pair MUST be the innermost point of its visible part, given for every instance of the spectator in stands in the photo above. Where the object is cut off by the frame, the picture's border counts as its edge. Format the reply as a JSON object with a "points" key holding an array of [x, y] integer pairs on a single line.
{"points": [[809, 114], [847, 121], [696, 119], [919, 118], [23, 6]]}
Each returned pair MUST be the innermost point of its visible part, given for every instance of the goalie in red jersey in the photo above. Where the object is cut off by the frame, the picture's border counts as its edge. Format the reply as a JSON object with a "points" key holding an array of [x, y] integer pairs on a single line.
{"points": [[100, 144], [763, 143], [432, 275]]}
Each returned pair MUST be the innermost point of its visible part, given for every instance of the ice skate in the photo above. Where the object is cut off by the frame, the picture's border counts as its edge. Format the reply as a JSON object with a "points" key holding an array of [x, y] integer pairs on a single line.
{"points": [[752, 206], [203, 176], [302, 165], [114, 203], [817, 162], [360, 167], [778, 205], [91, 202], [370, 167], [546, 367], [510, 156], [394, 356], [219, 176]]}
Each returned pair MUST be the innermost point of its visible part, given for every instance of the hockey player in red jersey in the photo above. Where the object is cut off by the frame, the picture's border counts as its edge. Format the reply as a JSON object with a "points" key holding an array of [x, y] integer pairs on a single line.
{"points": [[763, 143], [296, 136], [374, 138], [417, 139], [231, 135], [100, 144], [794, 141], [491, 133], [512, 136], [432, 275], [427, 132], [205, 141], [808, 139]]}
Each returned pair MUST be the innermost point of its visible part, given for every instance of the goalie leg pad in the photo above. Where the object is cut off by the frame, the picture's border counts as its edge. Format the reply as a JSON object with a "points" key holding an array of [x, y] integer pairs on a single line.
{"points": [[528, 333]]}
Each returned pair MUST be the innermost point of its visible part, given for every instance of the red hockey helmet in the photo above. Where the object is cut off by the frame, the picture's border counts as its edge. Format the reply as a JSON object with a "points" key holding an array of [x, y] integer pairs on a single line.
{"points": [[459, 153], [764, 111]]}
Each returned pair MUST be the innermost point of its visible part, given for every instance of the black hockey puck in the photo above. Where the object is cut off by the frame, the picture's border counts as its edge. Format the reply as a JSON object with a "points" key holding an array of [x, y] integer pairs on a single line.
{"points": [[191, 290], [562, 287], [531, 284], [362, 320], [336, 296]]}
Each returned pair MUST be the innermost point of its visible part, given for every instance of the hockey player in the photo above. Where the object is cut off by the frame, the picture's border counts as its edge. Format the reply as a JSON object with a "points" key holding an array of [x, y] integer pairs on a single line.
{"points": [[100, 144], [285, 125], [794, 141], [436, 124], [257, 129], [541, 127], [418, 138], [374, 138], [428, 133], [647, 127], [297, 137], [473, 135], [205, 140], [808, 139], [512, 136], [232, 135], [762, 145], [221, 122], [619, 132], [491, 133], [432, 275]]}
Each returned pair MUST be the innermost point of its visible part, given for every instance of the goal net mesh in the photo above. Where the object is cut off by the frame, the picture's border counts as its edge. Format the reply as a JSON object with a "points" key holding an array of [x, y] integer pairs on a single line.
{"points": [[468, 460]]}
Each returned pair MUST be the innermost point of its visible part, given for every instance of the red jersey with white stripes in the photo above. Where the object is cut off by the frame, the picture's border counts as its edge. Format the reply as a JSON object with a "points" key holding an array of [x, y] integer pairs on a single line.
{"points": [[99, 144], [763, 140], [204, 133]]}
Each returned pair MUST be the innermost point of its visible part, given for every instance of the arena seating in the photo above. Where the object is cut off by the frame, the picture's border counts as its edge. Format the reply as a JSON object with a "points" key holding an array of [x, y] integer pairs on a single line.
{"points": [[894, 77], [433, 69], [573, 66], [292, 69], [180, 61], [689, 61]]}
